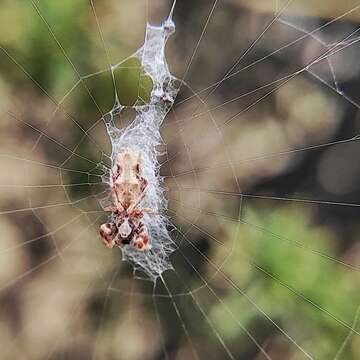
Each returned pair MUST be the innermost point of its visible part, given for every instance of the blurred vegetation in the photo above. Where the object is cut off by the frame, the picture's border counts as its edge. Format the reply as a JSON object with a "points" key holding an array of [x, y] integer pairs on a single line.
{"points": [[133, 83], [293, 257]]}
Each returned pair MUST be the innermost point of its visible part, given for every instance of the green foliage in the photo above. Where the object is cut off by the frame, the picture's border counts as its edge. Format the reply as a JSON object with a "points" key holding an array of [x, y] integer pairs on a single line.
{"points": [[132, 83], [277, 261], [35, 47]]}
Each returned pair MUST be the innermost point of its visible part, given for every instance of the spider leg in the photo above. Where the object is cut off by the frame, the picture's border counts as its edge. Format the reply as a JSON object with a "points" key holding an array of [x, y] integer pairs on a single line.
{"points": [[110, 208], [136, 202], [142, 240], [150, 211], [144, 184], [117, 205], [108, 233]]}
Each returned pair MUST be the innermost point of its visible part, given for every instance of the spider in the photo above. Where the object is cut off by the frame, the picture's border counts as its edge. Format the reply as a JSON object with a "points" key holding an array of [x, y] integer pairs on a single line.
{"points": [[128, 188]]}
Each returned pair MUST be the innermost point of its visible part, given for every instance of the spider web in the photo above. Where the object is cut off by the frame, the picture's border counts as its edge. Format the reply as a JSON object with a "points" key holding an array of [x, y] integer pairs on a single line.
{"points": [[257, 184], [142, 136]]}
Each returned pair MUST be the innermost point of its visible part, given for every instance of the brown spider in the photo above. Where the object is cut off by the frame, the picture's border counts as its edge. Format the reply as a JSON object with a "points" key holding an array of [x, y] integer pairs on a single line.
{"points": [[128, 188]]}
